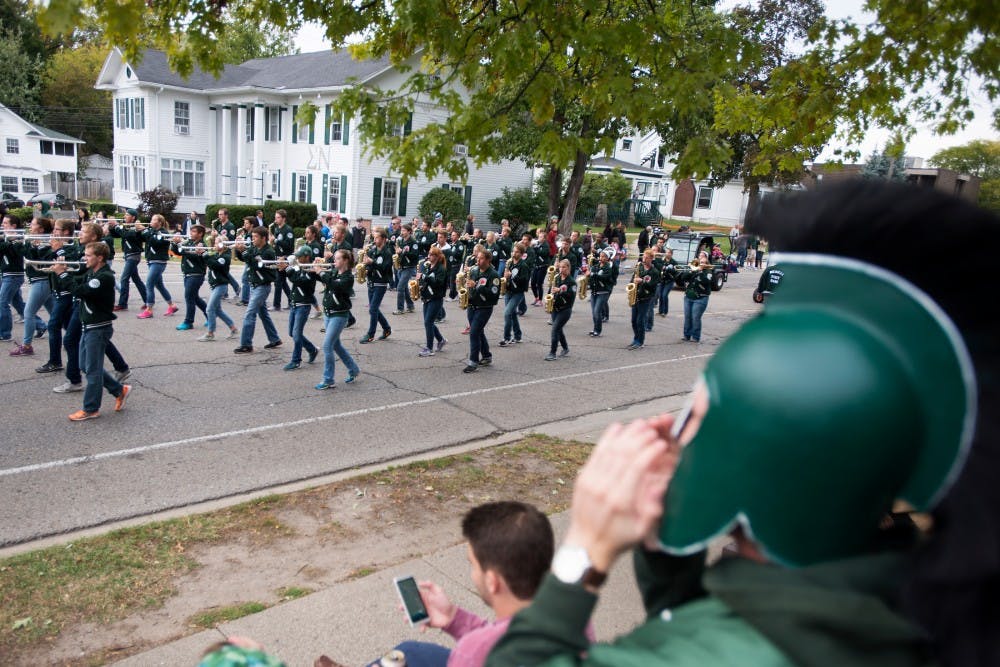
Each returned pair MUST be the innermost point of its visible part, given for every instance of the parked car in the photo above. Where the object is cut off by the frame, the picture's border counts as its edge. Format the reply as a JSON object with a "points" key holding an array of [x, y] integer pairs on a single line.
{"points": [[9, 201], [53, 199], [686, 246]]}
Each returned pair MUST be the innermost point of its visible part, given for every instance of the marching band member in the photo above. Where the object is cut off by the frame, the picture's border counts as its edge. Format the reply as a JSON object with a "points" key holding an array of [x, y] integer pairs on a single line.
{"points": [[340, 240], [303, 284], [696, 298], [425, 237], [455, 255], [261, 277], [96, 291], [442, 244], [646, 278], [494, 249], [63, 248], [564, 295], [39, 290], [432, 273], [244, 292], [506, 246], [576, 248], [542, 259], [283, 237], [11, 277], [132, 249], [469, 263], [518, 274], [90, 232], [379, 261], [193, 269], [157, 243], [225, 229], [668, 276], [601, 280], [408, 249], [483, 284], [339, 284], [219, 271], [313, 238], [658, 263]]}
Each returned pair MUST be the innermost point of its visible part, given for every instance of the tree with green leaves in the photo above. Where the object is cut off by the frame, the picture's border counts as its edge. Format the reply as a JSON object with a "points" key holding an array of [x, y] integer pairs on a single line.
{"points": [[884, 165], [980, 158], [19, 71], [246, 38], [71, 104]]}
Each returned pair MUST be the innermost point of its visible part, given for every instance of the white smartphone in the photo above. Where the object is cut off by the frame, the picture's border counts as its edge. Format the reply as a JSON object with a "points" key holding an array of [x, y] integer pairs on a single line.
{"points": [[409, 594]]}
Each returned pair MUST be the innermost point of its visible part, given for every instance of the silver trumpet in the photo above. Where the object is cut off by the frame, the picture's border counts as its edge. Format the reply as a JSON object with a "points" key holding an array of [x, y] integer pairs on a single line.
{"points": [[40, 263], [195, 250], [233, 243], [19, 235], [171, 235], [274, 262]]}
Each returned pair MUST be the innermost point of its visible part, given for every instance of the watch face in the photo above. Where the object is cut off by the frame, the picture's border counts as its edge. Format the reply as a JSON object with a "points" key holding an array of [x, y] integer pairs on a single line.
{"points": [[570, 564]]}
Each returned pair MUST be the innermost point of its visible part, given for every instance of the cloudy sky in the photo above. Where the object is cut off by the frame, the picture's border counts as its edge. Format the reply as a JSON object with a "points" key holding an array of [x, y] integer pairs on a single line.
{"points": [[923, 144]]}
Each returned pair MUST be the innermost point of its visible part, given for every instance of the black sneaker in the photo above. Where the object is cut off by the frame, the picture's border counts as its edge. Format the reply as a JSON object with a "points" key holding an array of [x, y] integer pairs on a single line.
{"points": [[505, 343], [49, 367], [486, 361], [271, 346], [244, 349], [469, 369], [385, 334]]}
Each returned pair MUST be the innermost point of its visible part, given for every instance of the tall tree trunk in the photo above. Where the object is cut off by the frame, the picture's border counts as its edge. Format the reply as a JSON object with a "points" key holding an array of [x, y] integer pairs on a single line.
{"points": [[555, 192], [573, 192], [753, 203]]}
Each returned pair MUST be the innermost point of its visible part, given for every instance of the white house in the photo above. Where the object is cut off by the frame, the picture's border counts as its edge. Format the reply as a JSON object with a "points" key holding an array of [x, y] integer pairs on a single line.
{"points": [[234, 139], [33, 156]]}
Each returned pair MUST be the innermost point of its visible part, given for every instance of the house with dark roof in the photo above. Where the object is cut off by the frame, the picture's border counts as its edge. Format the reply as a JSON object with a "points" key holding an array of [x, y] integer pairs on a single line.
{"points": [[32, 156], [234, 138]]}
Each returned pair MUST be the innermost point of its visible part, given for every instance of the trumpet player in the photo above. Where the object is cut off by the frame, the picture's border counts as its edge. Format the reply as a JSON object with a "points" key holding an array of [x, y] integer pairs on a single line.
{"points": [[219, 271], [130, 232], [283, 237], [96, 290], [646, 278], [262, 274], [378, 259], [63, 249], [541, 258], [192, 254], [517, 273], [601, 278], [483, 284], [223, 228], [302, 296], [312, 237], [432, 277], [408, 253], [157, 249], [339, 284], [699, 286], [11, 276], [563, 293], [339, 240], [245, 234], [39, 290]]}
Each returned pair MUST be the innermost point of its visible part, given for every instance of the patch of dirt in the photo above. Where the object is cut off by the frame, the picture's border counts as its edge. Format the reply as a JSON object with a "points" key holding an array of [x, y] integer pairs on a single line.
{"points": [[326, 535]]}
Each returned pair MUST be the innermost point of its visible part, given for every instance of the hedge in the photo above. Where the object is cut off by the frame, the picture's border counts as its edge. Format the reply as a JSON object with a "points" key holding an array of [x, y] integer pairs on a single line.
{"points": [[23, 214], [300, 214]]}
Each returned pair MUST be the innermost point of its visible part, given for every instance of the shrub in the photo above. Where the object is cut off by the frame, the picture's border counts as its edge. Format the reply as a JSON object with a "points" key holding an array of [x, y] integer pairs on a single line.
{"points": [[158, 200], [23, 214], [300, 214], [521, 206], [108, 208], [236, 213], [447, 202]]}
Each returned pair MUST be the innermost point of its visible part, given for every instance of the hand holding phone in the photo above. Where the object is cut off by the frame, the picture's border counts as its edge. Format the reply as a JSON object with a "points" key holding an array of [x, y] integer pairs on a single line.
{"points": [[413, 604]]}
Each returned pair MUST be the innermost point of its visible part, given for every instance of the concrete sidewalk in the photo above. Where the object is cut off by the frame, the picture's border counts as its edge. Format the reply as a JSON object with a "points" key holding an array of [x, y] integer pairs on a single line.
{"points": [[357, 621]]}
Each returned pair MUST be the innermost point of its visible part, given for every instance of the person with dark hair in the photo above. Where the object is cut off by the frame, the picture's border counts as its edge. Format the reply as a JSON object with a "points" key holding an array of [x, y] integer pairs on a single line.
{"points": [[339, 283], [157, 240], [283, 238], [563, 293], [407, 251], [132, 249], [39, 289], [432, 276], [379, 261], [11, 277], [193, 268], [510, 547], [875, 369], [260, 259]]}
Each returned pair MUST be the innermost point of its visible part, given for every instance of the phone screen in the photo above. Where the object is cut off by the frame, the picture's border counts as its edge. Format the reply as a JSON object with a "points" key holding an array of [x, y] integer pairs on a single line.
{"points": [[412, 602]]}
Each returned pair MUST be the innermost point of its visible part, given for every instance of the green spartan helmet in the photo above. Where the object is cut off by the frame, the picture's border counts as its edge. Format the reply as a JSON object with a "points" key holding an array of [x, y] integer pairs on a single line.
{"points": [[851, 390]]}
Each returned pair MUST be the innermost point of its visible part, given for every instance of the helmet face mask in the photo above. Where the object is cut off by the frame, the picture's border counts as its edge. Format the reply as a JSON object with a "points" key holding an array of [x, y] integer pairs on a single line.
{"points": [[851, 390]]}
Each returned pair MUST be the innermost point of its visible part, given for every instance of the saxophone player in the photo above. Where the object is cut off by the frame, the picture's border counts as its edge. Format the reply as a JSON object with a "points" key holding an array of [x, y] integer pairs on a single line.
{"points": [[378, 260], [563, 293], [646, 278], [432, 276], [601, 277], [483, 284], [517, 273], [407, 252]]}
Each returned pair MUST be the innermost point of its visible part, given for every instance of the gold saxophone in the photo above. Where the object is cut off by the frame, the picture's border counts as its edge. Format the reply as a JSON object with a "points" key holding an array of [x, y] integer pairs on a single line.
{"points": [[414, 286], [550, 303], [395, 260], [631, 293], [503, 286], [463, 298], [551, 274], [361, 270], [582, 284]]}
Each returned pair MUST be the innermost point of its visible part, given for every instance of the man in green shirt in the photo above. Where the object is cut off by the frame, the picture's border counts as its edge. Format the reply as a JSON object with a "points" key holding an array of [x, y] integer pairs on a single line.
{"points": [[283, 238], [483, 284]]}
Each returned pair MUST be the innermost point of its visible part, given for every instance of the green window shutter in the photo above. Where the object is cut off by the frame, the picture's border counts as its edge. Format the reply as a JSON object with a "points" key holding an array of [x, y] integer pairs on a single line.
{"points": [[468, 199], [446, 186], [343, 194], [312, 132], [295, 125], [402, 201], [326, 125], [309, 188], [293, 193], [326, 192], [345, 124], [377, 197], [409, 125], [278, 193]]}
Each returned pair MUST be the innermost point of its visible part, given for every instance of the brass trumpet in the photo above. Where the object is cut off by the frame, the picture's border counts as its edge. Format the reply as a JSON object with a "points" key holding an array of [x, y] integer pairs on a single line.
{"points": [[193, 249]]}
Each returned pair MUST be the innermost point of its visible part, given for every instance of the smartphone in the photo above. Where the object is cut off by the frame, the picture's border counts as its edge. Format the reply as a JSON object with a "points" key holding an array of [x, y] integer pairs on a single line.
{"points": [[409, 593]]}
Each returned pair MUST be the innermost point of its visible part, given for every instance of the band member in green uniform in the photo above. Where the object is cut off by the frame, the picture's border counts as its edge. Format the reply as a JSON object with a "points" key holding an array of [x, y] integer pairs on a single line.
{"points": [[379, 262], [218, 266], [408, 250], [517, 273], [132, 249], [96, 290], [261, 277], [601, 280], [542, 259], [696, 298], [157, 240], [193, 268], [432, 273], [483, 284], [283, 237], [339, 284], [455, 255], [563, 296], [646, 278], [303, 289]]}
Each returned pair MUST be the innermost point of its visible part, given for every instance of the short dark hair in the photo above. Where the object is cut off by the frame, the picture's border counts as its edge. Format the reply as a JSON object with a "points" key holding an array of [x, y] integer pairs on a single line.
{"points": [[282, 213], [515, 540], [13, 219], [99, 249], [259, 231]]}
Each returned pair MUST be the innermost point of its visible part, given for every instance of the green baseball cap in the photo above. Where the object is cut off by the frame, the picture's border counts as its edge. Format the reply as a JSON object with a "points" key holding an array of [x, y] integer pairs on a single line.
{"points": [[852, 389]]}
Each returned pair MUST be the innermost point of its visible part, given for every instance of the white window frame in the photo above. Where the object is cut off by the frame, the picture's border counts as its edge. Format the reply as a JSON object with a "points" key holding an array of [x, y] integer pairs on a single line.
{"points": [[124, 173], [182, 117], [626, 144], [333, 193], [184, 176], [13, 146], [461, 150], [302, 188], [457, 187], [8, 184], [336, 130], [275, 182], [249, 126], [60, 148], [272, 123], [704, 190], [29, 185], [399, 131], [130, 113], [387, 198]]}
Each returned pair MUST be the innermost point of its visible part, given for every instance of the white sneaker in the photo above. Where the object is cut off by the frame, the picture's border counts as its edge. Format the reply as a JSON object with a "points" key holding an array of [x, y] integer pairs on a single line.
{"points": [[68, 387], [206, 338], [18, 319], [233, 333]]}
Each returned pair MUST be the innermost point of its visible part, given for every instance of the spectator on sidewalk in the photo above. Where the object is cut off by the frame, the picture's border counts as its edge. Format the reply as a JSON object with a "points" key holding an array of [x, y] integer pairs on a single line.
{"points": [[510, 548]]}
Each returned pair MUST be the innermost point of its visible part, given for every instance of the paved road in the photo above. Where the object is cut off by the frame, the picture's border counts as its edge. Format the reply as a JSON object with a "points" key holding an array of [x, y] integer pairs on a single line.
{"points": [[203, 423]]}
